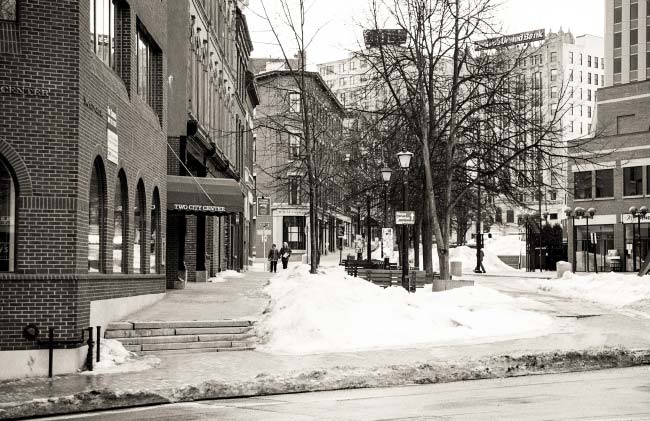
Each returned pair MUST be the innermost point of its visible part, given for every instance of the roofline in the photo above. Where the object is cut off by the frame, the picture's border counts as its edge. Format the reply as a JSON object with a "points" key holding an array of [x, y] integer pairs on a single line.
{"points": [[316, 75]]}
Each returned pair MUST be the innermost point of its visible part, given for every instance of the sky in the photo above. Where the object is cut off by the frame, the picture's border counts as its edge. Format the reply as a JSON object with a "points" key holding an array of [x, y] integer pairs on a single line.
{"points": [[335, 26]]}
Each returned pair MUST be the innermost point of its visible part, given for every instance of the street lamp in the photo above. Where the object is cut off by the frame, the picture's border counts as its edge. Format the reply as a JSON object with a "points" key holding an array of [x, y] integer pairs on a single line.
{"points": [[571, 214], [386, 173], [404, 163], [637, 213], [589, 213]]}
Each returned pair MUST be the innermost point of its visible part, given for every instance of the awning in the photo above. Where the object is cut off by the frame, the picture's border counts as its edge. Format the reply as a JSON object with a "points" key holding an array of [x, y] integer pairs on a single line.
{"points": [[204, 195]]}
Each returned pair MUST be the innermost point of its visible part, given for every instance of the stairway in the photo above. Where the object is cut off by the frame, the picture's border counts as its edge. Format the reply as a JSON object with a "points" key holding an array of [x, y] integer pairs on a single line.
{"points": [[183, 337], [512, 261]]}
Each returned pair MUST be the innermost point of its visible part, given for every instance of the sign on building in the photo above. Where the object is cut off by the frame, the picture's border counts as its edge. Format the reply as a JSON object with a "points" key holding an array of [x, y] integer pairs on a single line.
{"points": [[377, 37], [509, 40], [263, 206], [404, 217], [627, 218], [111, 136]]}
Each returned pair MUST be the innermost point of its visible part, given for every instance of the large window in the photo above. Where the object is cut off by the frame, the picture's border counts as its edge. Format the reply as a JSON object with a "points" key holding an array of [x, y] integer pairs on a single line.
{"points": [[294, 146], [120, 226], [293, 232], [294, 190], [604, 183], [96, 219], [143, 67], [582, 184], [139, 224], [294, 102], [633, 181], [510, 216], [154, 240], [7, 219], [499, 216], [8, 10], [104, 25]]}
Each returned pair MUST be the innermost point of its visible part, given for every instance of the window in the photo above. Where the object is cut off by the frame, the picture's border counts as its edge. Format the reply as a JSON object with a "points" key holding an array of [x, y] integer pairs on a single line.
{"points": [[120, 226], [510, 216], [139, 224], [294, 147], [581, 77], [602, 80], [570, 57], [103, 28], [618, 39], [589, 78], [633, 181], [582, 184], [634, 11], [634, 36], [553, 91], [499, 216], [588, 61], [570, 75], [294, 190], [595, 62], [604, 183], [634, 62], [581, 59], [553, 56], [293, 232], [553, 75], [589, 111], [142, 53], [647, 181], [588, 94], [618, 14], [7, 219], [96, 219], [553, 196], [8, 12], [154, 240], [353, 65], [617, 65], [294, 102]]}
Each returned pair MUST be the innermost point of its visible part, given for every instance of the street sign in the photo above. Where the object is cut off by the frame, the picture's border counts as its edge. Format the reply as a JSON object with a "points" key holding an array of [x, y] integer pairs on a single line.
{"points": [[263, 206], [404, 217]]}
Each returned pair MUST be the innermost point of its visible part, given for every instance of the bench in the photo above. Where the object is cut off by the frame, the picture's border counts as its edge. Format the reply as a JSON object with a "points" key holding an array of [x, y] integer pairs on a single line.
{"points": [[353, 266], [381, 277]]}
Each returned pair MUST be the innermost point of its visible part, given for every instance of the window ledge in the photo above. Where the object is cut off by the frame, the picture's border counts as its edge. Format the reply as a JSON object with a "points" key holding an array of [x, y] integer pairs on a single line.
{"points": [[583, 200], [637, 196], [605, 198]]}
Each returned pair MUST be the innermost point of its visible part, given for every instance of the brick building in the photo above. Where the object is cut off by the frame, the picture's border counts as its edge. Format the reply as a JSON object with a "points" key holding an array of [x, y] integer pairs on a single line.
{"points": [[283, 214], [82, 170], [210, 156], [613, 173]]}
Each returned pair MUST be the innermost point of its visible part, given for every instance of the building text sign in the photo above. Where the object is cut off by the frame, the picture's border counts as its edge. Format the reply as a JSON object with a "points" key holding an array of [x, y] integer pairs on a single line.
{"points": [[263, 206], [405, 218], [508, 40], [23, 91], [199, 208], [627, 218]]}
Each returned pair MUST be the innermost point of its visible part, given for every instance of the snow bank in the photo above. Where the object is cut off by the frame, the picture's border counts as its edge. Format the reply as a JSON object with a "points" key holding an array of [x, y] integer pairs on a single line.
{"points": [[331, 312], [610, 289], [116, 359], [505, 245], [223, 276]]}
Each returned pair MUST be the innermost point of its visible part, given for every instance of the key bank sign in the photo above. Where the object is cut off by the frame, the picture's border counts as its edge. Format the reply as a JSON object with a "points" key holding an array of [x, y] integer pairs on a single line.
{"points": [[508, 40]]}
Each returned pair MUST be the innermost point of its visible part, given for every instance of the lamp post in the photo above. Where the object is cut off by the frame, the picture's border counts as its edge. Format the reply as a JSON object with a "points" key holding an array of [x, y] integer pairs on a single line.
{"points": [[386, 173], [368, 229], [571, 214], [589, 213], [637, 213], [404, 162], [579, 213], [542, 254]]}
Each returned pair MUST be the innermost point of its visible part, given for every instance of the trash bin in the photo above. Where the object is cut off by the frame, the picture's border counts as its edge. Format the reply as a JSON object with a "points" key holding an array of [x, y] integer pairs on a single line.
{"points": [[456, 268], [562, 268]]}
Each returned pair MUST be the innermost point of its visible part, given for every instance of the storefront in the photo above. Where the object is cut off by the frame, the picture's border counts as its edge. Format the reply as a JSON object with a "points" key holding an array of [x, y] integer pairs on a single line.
{"points": [[205, 229]]}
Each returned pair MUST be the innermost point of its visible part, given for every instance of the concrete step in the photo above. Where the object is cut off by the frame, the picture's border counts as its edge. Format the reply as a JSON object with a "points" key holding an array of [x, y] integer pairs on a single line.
{"points": [[185, 338], [175, 324], [137, 333], [196, 350]]}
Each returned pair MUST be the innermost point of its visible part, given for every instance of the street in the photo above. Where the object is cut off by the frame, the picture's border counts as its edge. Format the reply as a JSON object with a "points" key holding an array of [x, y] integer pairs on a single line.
{"points": [[619, 394]]}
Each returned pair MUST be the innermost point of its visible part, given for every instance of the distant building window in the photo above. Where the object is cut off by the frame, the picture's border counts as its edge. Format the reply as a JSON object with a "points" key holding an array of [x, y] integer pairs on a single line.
{"points": [[582, 184], [294, 190], [633, 181], [553, 196], [618, 14], [588, 78], [634, 36], [8, 10], [602, 80], [7, 219], [553, 75], [143, 66], [618, 39], [294, 146], [604, 183], [510, 216], [617, 65], [588, 94], [499, 216], [596, 62], [581, 59], [553, 56], [588, 111], [588, 61], [105, 29], [634, 62], [634, 10], [553, 91], [120, 226], [294, 102]]}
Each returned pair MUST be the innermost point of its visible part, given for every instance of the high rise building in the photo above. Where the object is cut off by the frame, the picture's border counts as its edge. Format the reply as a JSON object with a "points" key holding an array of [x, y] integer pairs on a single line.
{"points": [[627, 32]]}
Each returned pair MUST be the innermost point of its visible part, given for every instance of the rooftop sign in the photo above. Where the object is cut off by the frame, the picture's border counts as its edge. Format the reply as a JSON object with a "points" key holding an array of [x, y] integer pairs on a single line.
{"points": [[377, 37], [508, 40]]}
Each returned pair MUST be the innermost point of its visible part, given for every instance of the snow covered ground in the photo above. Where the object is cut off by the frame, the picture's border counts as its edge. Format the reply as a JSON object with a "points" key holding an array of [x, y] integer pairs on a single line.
{"points": [[225, 275], [505, 245], [331, 312], [116, 359]]}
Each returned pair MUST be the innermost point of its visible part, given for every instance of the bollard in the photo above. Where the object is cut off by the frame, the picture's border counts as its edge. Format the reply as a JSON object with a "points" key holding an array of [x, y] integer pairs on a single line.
{"points": [[99, 342], [50, 349], [89, 358]]}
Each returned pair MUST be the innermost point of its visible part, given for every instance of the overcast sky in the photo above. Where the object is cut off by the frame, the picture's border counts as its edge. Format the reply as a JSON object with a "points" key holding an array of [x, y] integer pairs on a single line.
{"points": [[339, 23]]}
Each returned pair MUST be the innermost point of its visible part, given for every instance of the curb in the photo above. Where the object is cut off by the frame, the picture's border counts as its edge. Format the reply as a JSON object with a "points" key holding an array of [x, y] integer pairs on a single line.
{"points": [[343, 377]]}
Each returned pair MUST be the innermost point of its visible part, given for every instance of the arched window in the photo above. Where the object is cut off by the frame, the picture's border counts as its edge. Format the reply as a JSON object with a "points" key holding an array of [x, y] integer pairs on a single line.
{"points": [[7, 219], [96, 218], [139, 223], [120, 224], [154, 241]]}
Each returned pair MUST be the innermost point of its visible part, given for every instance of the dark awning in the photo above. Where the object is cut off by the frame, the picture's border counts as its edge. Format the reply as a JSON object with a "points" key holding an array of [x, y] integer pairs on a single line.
{"points": [[204, 195]]}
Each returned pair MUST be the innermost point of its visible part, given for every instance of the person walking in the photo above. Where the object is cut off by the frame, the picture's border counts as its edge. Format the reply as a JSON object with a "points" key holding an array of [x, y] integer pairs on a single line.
{"points": [[482, 255], [274, 255], [285, 252]]}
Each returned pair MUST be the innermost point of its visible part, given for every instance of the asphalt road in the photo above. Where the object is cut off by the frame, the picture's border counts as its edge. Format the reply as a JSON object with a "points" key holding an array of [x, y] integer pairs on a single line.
{"points": [[620, 394]]}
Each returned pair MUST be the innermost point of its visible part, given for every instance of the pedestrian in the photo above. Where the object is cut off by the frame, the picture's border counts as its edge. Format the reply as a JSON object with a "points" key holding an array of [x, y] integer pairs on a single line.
{"points": [[274, 255], [358, 245], [481, 255], [285, 252]]}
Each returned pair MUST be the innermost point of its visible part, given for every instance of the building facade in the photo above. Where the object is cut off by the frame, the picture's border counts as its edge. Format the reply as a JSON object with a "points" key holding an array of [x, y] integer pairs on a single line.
{"points": [[568, 70], [613, 174], [210, 155], [82, 171], [282, 189]]}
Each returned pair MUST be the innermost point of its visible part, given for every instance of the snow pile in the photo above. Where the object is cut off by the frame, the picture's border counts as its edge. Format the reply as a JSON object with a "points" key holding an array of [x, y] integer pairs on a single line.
{"points": [[505, 245], [116, 359], [467, 256], [331, 312], [610, 289], [223, 276]]}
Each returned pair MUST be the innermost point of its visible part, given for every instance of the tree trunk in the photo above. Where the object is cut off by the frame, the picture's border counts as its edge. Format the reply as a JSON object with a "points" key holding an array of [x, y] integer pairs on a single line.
{"points": [[416, 239], [427, 239]]}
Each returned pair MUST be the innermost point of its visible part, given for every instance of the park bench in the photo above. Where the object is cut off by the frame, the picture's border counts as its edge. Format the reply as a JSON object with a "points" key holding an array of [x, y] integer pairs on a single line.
{"points": [[386, 278]]}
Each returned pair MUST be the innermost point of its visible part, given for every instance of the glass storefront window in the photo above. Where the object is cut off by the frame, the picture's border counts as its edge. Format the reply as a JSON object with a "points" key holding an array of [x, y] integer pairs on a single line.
{"points": [[604, 183], [139, 225], [95, 221], [592, 251], [119, 225], [293, 232], [153, 241], [7, 219]]}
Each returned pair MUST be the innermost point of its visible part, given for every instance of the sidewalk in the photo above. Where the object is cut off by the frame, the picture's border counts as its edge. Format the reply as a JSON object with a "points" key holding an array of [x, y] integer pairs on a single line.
{"points": [[591, 338]]}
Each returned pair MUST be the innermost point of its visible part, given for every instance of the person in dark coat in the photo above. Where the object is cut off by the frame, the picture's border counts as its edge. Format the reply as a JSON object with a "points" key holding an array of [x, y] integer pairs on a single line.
{"points": [[274, 256], [285, 253]]}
